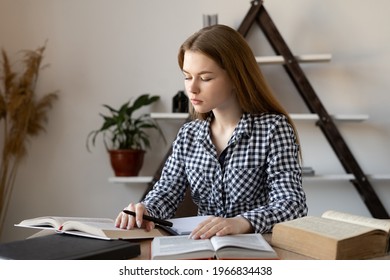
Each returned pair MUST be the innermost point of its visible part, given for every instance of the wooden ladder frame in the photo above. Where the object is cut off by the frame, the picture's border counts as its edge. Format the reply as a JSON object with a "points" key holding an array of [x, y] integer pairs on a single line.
{"points": [[258, 14]]}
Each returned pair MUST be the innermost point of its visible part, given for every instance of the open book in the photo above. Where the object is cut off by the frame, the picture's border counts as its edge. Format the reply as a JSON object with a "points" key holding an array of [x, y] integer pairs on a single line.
{"points": [[240, 246], [104, 228], [334, 235], [101, 228]]}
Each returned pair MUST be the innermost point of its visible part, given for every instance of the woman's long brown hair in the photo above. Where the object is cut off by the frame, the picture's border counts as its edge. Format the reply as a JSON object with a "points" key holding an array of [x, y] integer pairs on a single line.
{"points": [[231, 52]]}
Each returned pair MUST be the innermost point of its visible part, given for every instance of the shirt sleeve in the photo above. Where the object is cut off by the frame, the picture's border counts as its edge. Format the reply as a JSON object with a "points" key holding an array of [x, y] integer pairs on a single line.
{"points": [[286, 198], [167, 193]]}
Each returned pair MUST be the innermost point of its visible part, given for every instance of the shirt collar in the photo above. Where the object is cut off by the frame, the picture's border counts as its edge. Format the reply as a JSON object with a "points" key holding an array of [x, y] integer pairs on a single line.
{"points": [[244, 128]]}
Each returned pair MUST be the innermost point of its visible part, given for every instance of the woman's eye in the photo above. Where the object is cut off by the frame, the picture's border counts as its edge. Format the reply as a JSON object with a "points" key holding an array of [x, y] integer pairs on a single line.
{"points": [[205, 79]]}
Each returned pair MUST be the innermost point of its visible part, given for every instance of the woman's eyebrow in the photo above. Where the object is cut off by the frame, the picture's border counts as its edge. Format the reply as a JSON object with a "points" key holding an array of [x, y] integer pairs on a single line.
{"points": [[200, 73]]}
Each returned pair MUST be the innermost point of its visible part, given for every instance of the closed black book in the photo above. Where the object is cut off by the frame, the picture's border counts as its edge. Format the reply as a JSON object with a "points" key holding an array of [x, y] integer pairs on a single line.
{"points": [[68, 247]]}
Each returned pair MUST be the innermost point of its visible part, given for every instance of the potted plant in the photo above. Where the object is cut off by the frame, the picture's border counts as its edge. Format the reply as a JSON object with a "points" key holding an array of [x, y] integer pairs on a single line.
{"points": [[125, 136]]}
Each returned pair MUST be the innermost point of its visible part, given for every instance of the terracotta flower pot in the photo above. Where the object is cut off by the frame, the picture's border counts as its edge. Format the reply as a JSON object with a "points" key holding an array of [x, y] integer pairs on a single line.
{"points": [[126, 162]]}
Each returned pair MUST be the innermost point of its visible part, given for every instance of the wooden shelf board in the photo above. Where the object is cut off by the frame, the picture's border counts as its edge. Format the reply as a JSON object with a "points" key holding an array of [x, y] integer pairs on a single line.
{"points": [[173, 116], [341, 177], [135, 179], [380, 176], [278, 59], [329, 177]]}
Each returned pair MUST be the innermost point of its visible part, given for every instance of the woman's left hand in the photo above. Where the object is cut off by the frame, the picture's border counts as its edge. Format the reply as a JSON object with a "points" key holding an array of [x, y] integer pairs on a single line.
{"points": [[221, 226]]}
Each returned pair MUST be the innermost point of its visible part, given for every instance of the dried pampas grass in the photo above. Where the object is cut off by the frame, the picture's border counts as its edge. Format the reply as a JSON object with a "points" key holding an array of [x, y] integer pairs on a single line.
{"points": [[22, 116]]}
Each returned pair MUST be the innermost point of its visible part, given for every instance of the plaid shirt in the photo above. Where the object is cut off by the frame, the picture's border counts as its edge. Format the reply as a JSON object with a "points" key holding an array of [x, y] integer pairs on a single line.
{"points": [[259, 177]]}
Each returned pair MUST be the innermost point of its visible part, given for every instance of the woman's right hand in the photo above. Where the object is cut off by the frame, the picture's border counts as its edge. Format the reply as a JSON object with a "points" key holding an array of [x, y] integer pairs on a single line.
{"points": [[125, 221]]}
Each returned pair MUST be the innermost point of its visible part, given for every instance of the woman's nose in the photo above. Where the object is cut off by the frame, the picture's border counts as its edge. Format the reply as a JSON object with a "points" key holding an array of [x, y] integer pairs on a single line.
{"points": [[192, 86]]}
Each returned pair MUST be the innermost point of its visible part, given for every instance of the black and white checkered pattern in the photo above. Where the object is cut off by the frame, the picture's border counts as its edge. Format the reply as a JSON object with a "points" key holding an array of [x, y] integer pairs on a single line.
{"points": [[259, 179]]}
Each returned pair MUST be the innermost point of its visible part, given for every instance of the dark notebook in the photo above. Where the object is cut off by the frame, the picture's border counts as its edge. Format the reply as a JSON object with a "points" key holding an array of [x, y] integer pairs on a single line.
{"points": [[68, 247]]}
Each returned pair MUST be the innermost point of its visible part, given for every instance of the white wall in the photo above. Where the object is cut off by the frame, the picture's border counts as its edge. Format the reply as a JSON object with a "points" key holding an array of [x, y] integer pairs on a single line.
{"points": [[103, 51]]}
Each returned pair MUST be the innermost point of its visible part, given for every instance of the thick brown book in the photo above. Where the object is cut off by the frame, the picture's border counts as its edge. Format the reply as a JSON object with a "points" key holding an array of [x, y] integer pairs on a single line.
{"points": [[334, 235]]}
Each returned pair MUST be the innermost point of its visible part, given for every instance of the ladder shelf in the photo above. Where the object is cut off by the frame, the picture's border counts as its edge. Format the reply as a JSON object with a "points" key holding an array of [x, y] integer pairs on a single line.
{"points": [[257, 14]]}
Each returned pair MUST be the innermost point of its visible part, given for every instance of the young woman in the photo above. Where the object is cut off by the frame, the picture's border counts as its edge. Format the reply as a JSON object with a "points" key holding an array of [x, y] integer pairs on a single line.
{"points": [[239, 155]]}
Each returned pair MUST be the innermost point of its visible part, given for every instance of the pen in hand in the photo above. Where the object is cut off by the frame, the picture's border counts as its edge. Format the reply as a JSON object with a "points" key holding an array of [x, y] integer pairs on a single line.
{"points": [[149, 218]]}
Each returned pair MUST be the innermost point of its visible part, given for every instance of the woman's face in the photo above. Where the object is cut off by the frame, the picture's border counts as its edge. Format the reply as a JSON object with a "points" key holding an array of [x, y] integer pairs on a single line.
{"points": [[207, 85]]}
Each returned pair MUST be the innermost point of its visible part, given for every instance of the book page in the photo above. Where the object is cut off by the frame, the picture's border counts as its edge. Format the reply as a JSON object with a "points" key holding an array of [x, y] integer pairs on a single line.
{"points": [[56, 222], [87, 225], [248, 241], [41, 222], [106, 229], [171, 245], [329, 227], [359, 220], [184, 226]]}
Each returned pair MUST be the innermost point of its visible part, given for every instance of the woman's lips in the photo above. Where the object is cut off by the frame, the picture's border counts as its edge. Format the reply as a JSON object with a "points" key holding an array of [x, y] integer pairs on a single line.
{"points": [[196, 101]]}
